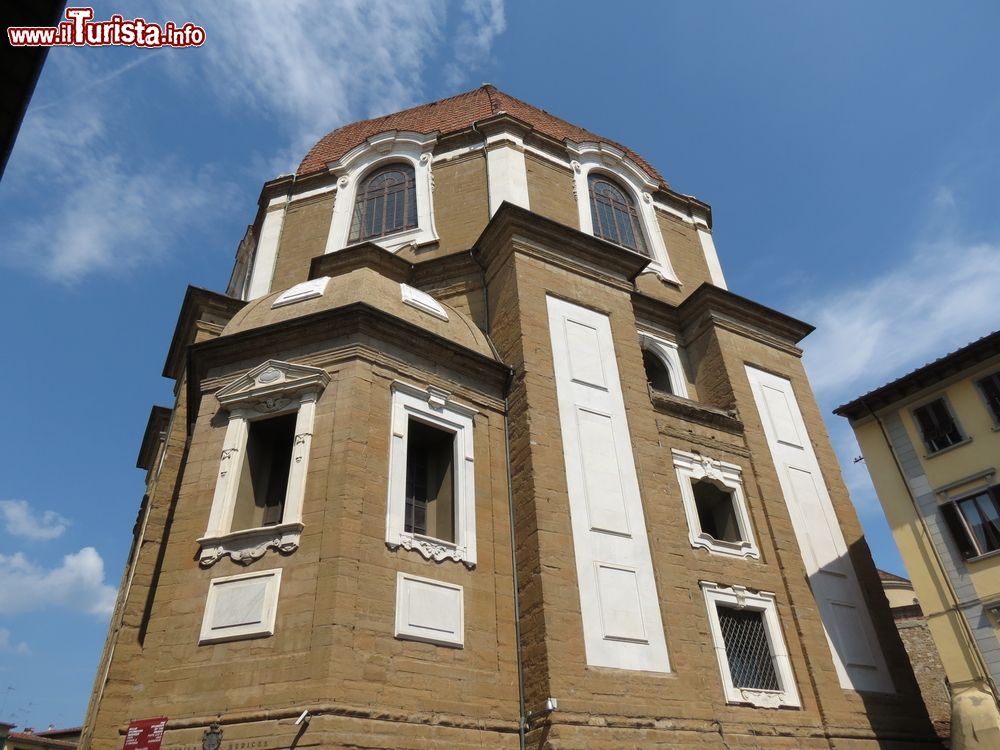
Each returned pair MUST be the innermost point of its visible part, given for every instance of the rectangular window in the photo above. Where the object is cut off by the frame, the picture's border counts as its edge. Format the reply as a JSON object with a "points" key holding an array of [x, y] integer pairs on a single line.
{"points": [[938, 427], [260, 497], [990, 388], [747, 650], [430, 482], [975, 522], [716, 513]]}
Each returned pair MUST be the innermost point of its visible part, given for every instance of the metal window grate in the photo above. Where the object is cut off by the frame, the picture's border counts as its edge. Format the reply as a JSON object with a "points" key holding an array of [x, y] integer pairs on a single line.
{"points": [[747, 649]]}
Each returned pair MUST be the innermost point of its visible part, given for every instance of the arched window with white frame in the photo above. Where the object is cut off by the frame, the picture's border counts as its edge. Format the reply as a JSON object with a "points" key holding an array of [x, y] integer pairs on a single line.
{"points": [[614, 215], [386, 203]]}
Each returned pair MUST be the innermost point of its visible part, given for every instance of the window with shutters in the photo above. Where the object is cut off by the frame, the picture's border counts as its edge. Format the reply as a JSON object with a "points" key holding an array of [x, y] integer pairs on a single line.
{"points": [[989, 387], [974, 522], [753, 659], [938, 426]]}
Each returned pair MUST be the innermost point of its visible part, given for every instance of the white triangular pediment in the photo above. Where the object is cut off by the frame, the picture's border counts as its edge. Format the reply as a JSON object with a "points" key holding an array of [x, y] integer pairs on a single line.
{"points": [[270, 378]]}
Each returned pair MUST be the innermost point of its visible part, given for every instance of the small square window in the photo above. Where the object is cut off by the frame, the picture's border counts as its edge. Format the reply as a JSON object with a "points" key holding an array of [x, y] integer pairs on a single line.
{"points": [[938, 427], [974, 522], [751, 652], [990, 388], [714, 504]]}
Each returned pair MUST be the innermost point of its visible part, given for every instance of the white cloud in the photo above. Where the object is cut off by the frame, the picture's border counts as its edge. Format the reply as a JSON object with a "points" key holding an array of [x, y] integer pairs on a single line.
{"points": [[7, 646], [940, 298], [483, 21], [78, 584], [21, 521]]}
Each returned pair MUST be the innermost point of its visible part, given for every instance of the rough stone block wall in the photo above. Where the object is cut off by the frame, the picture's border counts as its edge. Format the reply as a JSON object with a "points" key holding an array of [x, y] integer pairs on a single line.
{"points": [[303, 236], [928, 670], [461, 203], [550, 191]]}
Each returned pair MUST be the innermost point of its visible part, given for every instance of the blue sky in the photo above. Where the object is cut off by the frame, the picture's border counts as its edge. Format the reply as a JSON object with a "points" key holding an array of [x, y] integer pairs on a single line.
{"points": [[849, 151]]}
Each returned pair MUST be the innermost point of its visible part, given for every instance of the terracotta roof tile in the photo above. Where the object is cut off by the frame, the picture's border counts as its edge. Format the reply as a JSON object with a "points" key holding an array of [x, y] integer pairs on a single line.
{"points": [[891, 577], [452, 115]]}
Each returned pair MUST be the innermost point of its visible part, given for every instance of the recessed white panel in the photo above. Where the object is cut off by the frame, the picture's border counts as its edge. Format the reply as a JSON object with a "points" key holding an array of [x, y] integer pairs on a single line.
{"points": [[241, 606], [621, 608], [781, 416], [429, 611], [602, 477], [848, 624], [584, 354], [240, 603]]}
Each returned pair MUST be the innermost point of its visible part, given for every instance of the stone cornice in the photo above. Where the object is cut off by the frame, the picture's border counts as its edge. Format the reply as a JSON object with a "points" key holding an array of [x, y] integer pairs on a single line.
{"points": [[365, 255], [159, 418], [199, 305], [694, 411], [517, 230], [710, 305]]}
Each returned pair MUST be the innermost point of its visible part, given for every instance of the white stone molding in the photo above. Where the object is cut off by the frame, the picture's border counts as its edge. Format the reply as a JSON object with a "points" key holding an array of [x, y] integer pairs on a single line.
{"points": [[600, 157], [669, 354], [740, 597], [692, 467], [241, 606], [434, 407], [422, 301], [302, 291], [711, 255], [506, 169], [392, 146], [271, 388], [266, 254], [429, 611]]}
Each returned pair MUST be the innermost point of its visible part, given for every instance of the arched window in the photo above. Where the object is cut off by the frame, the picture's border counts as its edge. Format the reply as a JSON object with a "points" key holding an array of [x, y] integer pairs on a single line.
{"points": [[657, 374], [614, 214], [386, 203]]}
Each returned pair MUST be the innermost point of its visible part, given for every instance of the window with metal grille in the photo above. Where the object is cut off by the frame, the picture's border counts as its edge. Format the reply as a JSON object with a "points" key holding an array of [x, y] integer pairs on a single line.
{"points": [[748, 651], [975, 522], [386, 203], [430, 484], [614, 215], [937, 426], [990, 387]]}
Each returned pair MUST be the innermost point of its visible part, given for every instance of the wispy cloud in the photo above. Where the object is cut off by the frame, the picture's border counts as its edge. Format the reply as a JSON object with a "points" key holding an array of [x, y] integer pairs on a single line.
{"points": [[8, 646], [77, 584], [21, 521], [482, 22], [941, 297]]}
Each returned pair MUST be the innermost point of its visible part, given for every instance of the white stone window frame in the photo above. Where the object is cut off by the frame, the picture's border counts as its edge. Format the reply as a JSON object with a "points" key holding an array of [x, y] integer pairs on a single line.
{"points": [[433, 630], [351, 170], [271, 583], [742, 598], [692, 467], [433, 407], [268, 390], [669, 354], [612, 162]]}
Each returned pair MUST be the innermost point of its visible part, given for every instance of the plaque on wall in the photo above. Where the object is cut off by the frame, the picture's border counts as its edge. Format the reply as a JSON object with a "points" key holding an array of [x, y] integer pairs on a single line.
{"points": [[145, 734]]}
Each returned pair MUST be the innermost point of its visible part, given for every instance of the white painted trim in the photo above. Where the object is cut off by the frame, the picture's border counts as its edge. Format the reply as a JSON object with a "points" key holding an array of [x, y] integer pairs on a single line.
{"points": [[739, 597], [619, 605], [303, 194], [422, 301], [266, 254], [692, 467], [506, 170], [600, 157], [711, 257], [442, 603], [669, 354], [269, 389], [302, 291], [432, 406], [414, 149], [270, 583]]}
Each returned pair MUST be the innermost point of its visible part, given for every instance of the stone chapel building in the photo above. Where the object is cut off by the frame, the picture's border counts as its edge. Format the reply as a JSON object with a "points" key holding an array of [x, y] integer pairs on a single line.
{"points": [[477, 450]]}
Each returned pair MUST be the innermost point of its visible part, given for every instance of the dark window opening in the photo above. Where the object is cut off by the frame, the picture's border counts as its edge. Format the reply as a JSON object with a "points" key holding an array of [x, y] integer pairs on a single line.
{"points": [[937, 426], [614, 215], [990, 386], [748, 652], [716, 512], [657, 374], [430, 483], [260, 497], [975, 522], [386, 203]]}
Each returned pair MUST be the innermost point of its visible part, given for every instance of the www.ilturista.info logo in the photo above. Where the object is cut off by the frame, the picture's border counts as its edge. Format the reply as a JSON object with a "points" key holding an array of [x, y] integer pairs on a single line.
{"points": [[80, 30]]}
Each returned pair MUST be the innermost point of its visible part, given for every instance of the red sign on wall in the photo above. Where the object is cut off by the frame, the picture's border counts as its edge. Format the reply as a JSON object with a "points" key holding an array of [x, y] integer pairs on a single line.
{"points": [[145, 734]]}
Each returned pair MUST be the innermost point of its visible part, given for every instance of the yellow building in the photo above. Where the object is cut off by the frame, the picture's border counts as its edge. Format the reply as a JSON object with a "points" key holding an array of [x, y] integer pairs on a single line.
{"points": [[931, 441]]}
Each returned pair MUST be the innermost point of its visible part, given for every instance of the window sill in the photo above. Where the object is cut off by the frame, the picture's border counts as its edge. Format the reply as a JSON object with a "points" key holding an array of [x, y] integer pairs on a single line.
{"points": [[395, 241], [760, 698], [983, 556], [437, 550], [951, 447], [742, 549], [248, 545], [694, 411]]}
